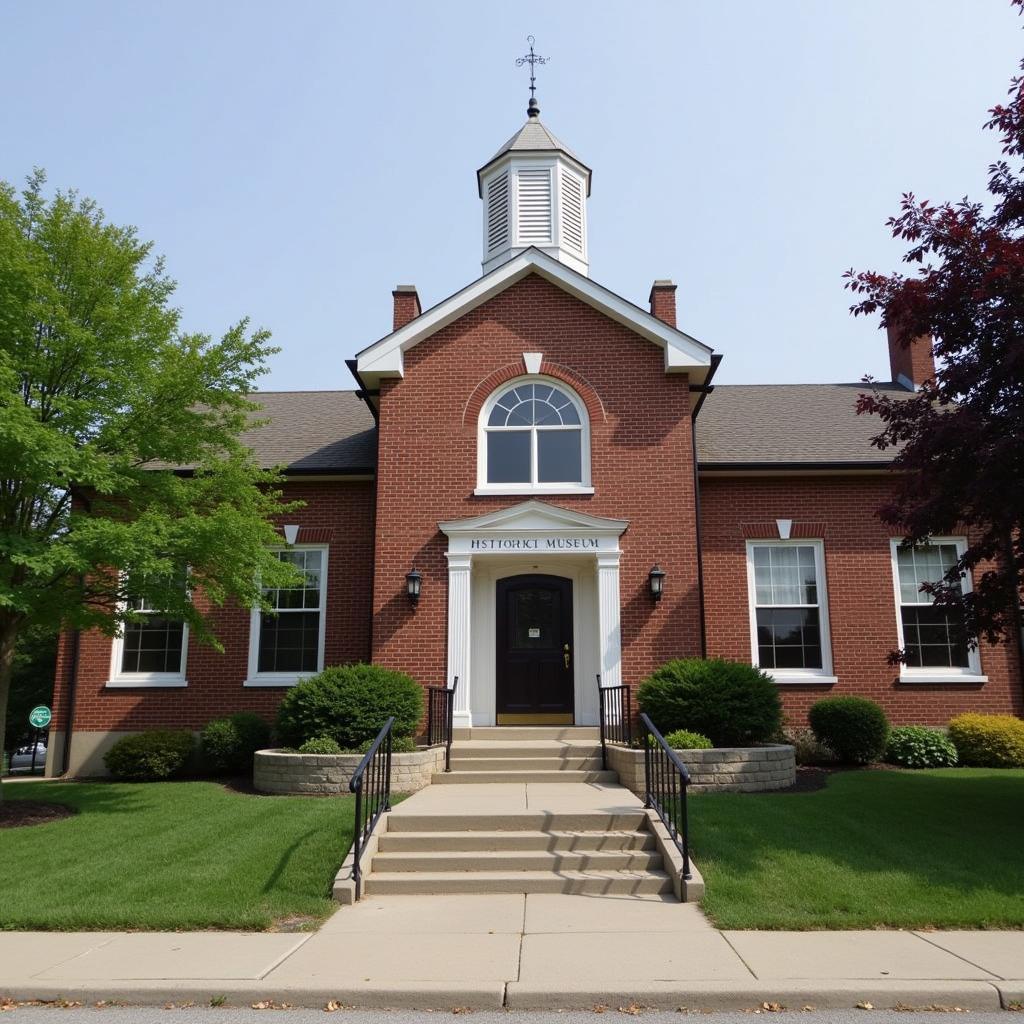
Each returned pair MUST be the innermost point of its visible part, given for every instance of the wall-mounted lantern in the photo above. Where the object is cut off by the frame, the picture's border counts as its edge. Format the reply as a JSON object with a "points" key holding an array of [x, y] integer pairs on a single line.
{"points": [[413, 582], [656, 579]]}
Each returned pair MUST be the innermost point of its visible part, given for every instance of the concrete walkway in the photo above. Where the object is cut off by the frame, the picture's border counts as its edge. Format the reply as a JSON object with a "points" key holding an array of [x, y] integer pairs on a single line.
{"points": [[521, 951]]}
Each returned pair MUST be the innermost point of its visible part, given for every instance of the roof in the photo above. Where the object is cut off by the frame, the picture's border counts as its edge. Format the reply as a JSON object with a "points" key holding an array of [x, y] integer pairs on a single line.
{"points": [[740, 426], [781, 425], [313, 432], [534, 137]]}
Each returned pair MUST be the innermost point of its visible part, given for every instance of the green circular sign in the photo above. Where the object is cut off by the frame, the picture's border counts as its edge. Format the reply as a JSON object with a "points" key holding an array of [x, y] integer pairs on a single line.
{"points": [[39, 717]]}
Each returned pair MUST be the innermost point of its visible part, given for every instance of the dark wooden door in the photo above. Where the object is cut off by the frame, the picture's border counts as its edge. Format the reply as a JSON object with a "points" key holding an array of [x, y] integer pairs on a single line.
{"points": [[534, 674]]}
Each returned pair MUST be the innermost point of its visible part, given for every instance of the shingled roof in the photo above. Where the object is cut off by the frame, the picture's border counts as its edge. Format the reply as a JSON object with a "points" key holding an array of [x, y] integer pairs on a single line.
{"points": [[739, 426], [781, 425], [314, 432]]}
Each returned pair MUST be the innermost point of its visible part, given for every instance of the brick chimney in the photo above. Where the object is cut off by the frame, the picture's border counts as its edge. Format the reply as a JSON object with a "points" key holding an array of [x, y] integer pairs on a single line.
{"points": [[663, 301], [913, 364], [407, 305]]}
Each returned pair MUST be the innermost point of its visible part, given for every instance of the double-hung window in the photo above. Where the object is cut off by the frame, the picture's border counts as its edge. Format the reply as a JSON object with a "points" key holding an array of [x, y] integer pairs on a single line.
{"points": [[789, 610], [287, 643], [931, 636], [151, 650]]}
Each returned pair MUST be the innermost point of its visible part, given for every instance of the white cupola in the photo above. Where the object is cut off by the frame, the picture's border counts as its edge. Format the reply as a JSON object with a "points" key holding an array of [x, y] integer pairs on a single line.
{"points": [[534, 192]]}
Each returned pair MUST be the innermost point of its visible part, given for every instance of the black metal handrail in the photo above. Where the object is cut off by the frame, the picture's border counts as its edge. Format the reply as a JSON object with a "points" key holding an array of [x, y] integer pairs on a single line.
{"points": [[440, 714], [665, 782], [371, 783], [616, 717]]}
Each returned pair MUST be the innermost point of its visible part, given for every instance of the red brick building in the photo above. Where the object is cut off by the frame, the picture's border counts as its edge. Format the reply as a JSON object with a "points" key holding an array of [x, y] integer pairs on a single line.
{"points": [[553, 467]]}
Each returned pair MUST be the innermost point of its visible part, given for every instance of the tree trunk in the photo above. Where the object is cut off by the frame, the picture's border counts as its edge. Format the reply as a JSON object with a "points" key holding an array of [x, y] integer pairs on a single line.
{"points": [[8, 639]]}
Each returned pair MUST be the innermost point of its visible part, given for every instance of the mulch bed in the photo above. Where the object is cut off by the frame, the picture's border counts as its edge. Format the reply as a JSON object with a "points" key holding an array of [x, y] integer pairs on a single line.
{"points": [[21, 813]]}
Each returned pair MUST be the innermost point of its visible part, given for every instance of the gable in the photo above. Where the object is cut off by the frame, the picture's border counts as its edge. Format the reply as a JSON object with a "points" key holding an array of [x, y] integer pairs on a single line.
{"points": [[682, 354]]}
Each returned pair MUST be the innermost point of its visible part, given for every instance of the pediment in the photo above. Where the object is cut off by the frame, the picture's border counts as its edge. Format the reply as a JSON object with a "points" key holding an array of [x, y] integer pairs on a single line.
{"points": [[532, 518], [683, 354]]}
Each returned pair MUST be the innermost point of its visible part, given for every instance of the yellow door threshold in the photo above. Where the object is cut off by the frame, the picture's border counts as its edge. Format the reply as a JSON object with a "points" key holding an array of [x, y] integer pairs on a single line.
{"points": [[528, 718]]}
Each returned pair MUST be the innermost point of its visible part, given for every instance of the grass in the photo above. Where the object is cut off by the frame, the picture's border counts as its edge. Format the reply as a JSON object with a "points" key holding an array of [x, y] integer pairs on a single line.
{"points": [[941, 848], [171, 855]]}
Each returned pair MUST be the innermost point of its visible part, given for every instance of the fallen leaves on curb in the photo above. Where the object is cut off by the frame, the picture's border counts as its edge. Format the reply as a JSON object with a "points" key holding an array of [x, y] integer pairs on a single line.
{"points": [[865, 1006]]}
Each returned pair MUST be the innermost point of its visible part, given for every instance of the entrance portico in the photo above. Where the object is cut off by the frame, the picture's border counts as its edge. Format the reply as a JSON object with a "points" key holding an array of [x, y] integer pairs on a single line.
{"points": [[486, 554]]}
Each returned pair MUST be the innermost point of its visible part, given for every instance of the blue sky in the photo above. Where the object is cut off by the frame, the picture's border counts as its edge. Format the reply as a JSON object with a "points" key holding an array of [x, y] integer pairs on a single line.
{"points": [[294, 162]]}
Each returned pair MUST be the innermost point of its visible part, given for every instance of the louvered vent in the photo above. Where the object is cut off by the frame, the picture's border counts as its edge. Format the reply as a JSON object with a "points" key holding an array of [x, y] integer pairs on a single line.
{"points": [[534, 206], [572, 212], [497, 212]]}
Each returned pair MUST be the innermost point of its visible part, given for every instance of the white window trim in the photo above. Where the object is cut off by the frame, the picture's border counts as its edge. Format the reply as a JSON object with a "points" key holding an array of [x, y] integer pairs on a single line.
{"points": [[257, 678], [810, 676], [908, 674], [582, 487], [153, 680]]}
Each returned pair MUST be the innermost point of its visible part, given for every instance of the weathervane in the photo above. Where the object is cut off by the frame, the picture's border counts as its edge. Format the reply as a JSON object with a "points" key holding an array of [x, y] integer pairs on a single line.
{"points": [[532, 59]]}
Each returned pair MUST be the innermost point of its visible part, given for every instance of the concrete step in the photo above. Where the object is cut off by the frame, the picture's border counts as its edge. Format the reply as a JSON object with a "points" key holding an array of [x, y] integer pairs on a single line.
{"points": [[574, 733], [524, 764], [490, 861], [524, 749], [525, 821], [454, 778], [410, 842], [591, 883]]}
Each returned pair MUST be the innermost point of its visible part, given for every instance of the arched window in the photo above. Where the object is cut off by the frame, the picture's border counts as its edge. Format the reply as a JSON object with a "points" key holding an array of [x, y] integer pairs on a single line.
{"points": [[534, 436]]}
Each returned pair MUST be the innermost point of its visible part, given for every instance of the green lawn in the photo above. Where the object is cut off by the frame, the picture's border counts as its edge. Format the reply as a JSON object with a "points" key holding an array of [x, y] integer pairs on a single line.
{"points": [[875, 848], [172, 855]]}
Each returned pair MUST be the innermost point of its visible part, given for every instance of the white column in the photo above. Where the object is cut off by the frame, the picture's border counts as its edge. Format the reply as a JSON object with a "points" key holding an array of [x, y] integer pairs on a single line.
{"points": [[608, 609], [459, 570]]}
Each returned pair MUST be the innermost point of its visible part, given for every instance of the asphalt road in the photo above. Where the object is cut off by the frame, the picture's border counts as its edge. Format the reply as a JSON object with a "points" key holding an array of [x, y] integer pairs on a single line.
{"points": [[206, 1015]]}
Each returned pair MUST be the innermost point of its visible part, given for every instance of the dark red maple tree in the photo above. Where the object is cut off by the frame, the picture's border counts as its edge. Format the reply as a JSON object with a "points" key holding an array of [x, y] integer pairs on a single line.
{"points": [[960, 438]]}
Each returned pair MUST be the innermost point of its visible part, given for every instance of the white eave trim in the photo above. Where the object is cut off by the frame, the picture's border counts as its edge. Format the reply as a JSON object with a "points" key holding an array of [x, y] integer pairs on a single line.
{"points": [[683, 354]]}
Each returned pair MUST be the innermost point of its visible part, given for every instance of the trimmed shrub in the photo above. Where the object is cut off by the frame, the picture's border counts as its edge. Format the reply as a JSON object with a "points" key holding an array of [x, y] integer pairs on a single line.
{"points": [[229, 743], [854, 727], [732, 703], [807, 748], [149, 756], [988, 741], [916, 746], [349, 704], [399, 745], [683, 739], [320, 745]]}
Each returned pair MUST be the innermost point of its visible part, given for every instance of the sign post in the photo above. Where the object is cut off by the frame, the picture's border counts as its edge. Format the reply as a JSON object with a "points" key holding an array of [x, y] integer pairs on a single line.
{"points": [[39, 718]]}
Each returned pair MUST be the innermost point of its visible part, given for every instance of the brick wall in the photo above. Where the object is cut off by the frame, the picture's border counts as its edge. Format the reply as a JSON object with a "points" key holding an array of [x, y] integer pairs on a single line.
{"points": [[862, 611], [338, 513], [641, 468]]}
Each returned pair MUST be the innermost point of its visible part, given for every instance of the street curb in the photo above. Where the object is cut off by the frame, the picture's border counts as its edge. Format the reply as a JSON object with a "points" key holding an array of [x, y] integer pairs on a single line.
{"points": [[725, 995], [695, 995]]}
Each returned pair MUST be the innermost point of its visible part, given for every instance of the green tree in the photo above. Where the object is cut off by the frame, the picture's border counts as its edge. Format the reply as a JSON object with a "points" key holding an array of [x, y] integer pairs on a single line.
{"points": [[99, 389]]}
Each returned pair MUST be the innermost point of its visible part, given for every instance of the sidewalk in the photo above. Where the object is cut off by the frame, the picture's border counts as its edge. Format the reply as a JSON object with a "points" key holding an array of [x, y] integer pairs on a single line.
{"points": [[529, 952]]}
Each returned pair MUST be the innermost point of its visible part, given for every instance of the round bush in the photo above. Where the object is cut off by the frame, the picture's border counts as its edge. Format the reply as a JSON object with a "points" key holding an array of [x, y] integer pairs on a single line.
{"points": [[320, 745], [149, 756], [915, 746], [988, 741], [399, 745], [732, 703], [349, 703], [683, 739], [854, 727], [229, 743]]}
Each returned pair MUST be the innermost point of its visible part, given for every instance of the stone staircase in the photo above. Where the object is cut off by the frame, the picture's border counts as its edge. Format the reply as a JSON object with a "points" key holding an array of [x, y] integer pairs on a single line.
{"points": [[536, 828]]}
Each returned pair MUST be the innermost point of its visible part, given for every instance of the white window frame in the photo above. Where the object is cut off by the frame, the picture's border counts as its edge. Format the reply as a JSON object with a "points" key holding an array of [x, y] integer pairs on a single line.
{"points": [[119, 679], [812, 676], [257, 678], [484, 487], [971, 673]]}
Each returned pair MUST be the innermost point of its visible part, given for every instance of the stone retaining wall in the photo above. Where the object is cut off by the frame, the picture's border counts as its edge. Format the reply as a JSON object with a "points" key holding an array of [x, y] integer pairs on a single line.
{"points": [[721, 770], [280, 771]]}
